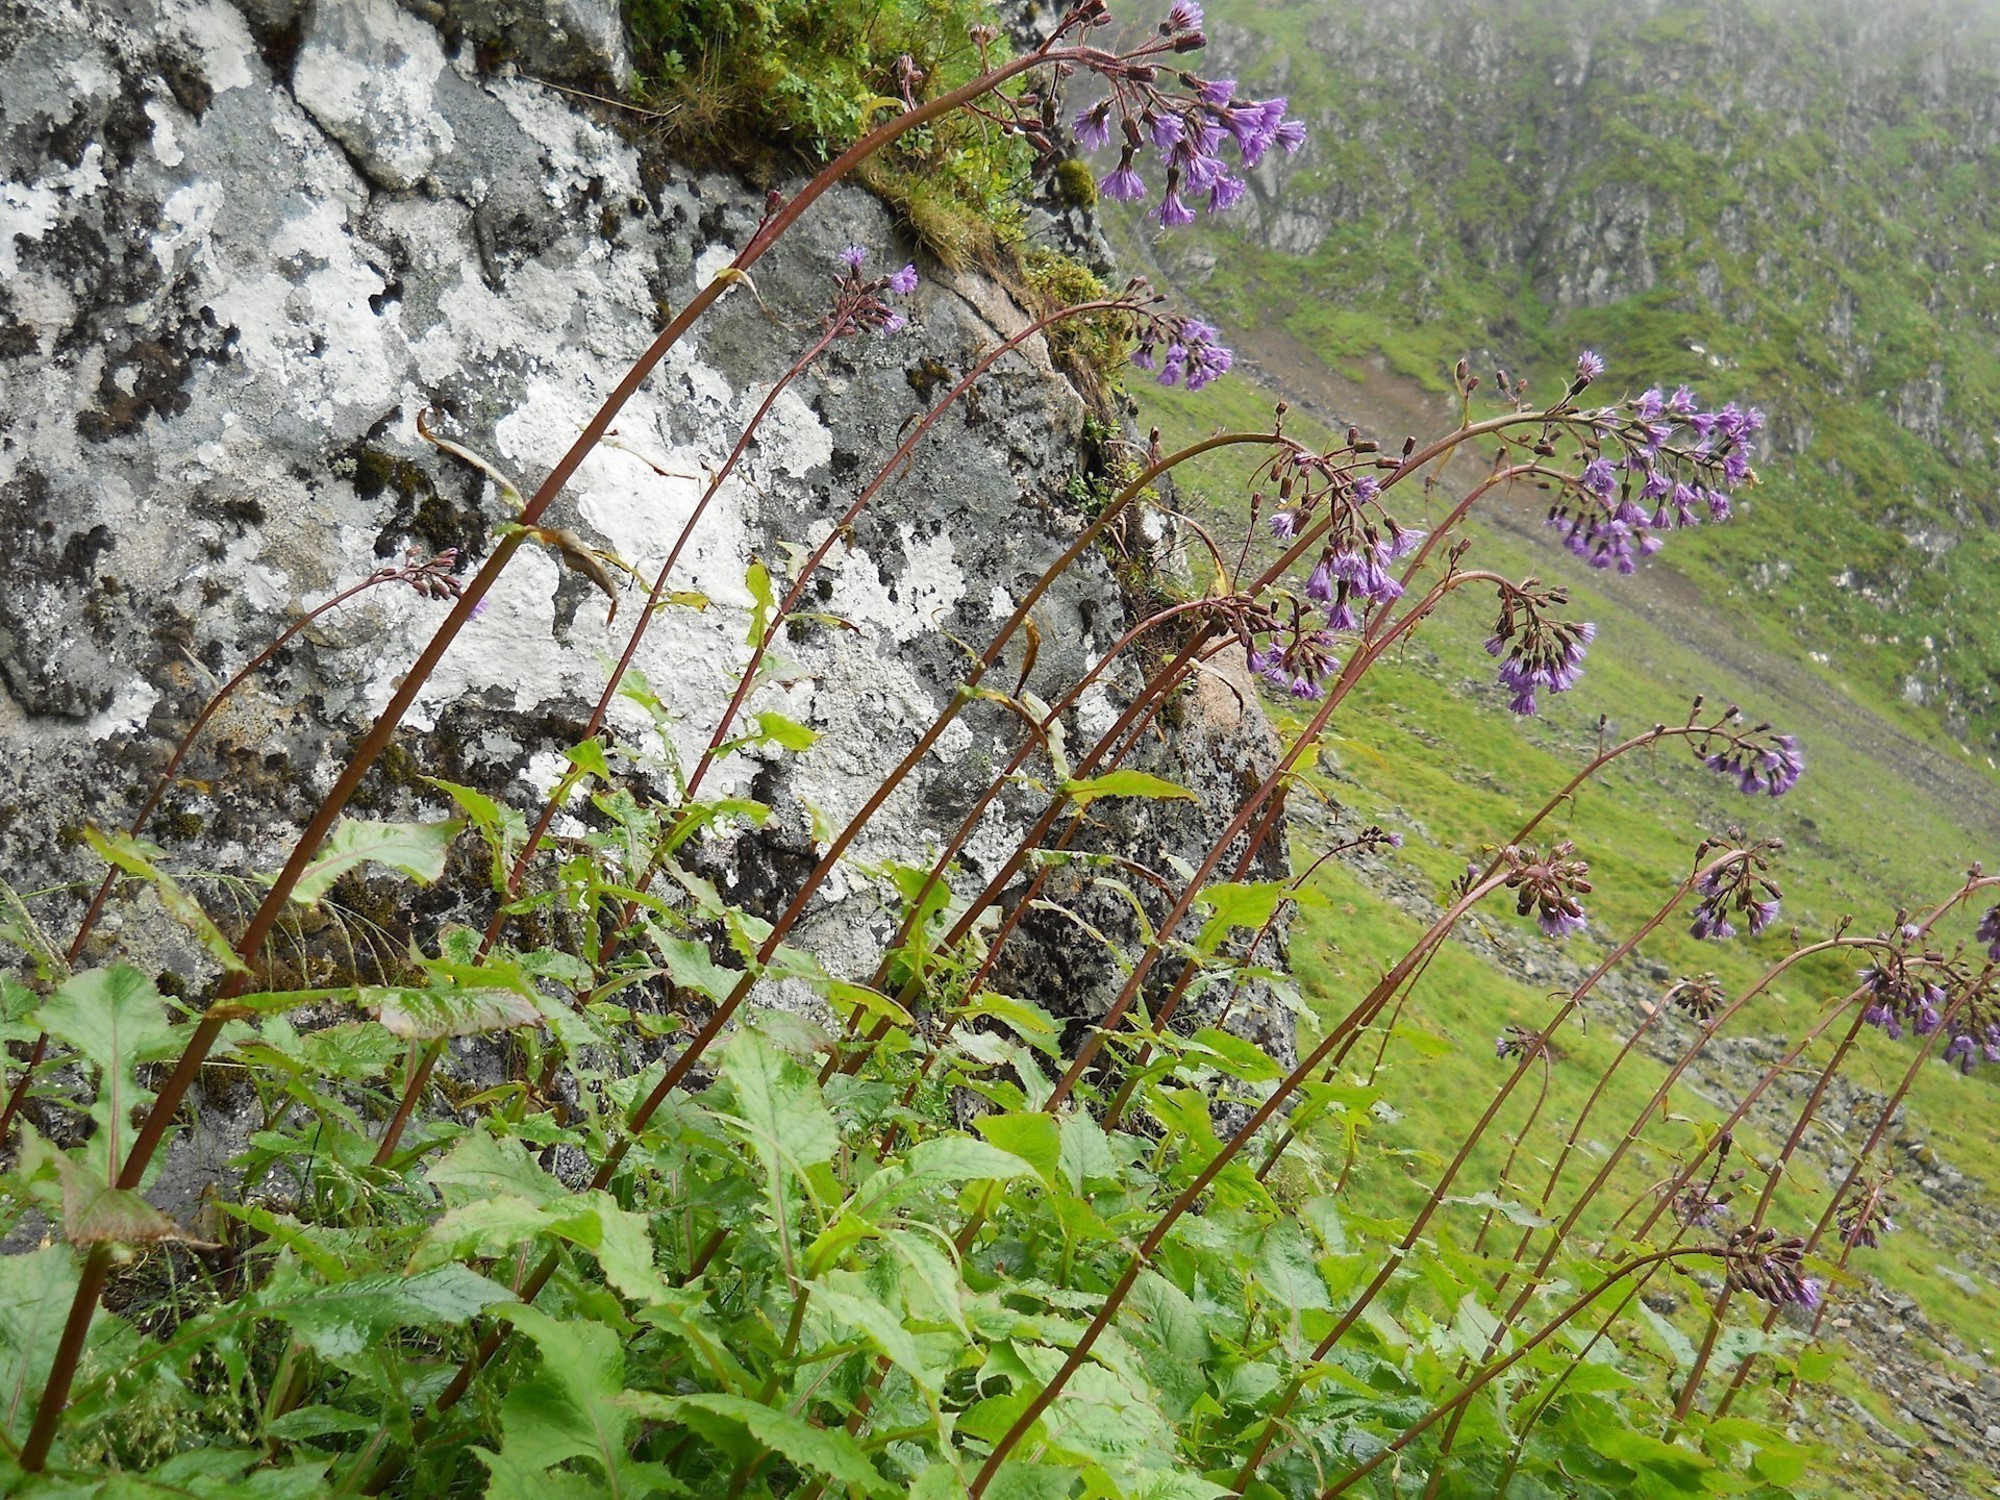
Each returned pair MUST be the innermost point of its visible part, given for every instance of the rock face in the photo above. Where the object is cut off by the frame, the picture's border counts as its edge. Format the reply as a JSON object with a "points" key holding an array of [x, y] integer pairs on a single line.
{"points": [[243, 249]]}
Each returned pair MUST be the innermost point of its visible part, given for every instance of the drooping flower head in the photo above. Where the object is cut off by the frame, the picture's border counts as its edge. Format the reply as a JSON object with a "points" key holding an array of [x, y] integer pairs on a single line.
{"points": [[1758, 1261], [860, 301], [1538, 653], [1548, 885], [1740, 886], [1865, 1217], [1187, 120], [1699, 997], [1644, 468]]}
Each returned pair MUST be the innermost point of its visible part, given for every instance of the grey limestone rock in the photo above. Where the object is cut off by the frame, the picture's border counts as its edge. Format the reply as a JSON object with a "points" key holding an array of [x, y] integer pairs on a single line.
{"points": [[234, 272]]}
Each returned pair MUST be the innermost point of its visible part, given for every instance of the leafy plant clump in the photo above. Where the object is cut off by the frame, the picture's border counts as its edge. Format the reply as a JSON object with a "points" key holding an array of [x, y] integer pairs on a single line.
{"points": [[930, 1234], [809, 77]]}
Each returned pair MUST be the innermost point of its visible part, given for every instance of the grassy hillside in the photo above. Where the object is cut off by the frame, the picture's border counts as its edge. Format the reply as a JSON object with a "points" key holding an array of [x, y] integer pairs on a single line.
{"points": [[1792, 204]]}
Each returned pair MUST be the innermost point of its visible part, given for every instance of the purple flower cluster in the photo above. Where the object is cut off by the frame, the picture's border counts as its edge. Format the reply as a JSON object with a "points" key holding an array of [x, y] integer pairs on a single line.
{"points": [[1772, 768], [1698, 1207], [1297, 661], [1921, 990], [860, 302], [1539, 654], [1741, 887], [1548, 885], [1864, 1218], [1651, 465], [1351, 573], [1192, 355], [1904, 991], [1988, 932], [1187, 129], [1757, 1261]]}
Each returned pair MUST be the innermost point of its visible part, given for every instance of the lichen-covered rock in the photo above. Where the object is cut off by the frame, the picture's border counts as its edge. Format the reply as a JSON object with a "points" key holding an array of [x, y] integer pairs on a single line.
{"points": [[244, 250]]}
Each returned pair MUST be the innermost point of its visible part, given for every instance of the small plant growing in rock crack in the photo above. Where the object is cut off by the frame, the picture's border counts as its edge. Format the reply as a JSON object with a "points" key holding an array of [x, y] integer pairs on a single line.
{"points": [[938, 1238]]}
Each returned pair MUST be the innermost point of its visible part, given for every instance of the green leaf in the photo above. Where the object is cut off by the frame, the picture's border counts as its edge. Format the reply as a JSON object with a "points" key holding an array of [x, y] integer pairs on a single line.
{"points": [[19, 927], [480, 1166], [95, 1213], [35, 1293], [135, 858], [786, 734], [1239, 904], [778, 1105], [764, 601], [1676, 1342], [117, 1020], [1034, 1137], [345, 1319], [572, 1407], [503, 827], [414, 849], [426, 1015], [1087, 789], [883, 1328], [827, 1451], [1285, 1265]]}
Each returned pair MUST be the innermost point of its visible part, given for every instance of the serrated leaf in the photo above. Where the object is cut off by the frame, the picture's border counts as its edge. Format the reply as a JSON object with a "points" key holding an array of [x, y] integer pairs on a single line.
{"points": [[417, 850], [827, 1451], [778, 1105], [503, 827], [35, 1293], [426, 1015], [135, 858], [344, 1319], [1085, 790], [572, 1407], [117, 1020]]}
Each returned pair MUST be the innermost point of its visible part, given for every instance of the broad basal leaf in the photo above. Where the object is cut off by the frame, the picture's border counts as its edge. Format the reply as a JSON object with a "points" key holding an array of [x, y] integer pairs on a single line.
{"points": [[428, 1014], [35, 1293], [413, 849], [117, 1020]]}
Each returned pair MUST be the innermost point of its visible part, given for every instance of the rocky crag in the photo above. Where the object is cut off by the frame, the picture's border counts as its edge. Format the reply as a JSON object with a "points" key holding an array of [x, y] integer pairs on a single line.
{"points": [[245, 248]]}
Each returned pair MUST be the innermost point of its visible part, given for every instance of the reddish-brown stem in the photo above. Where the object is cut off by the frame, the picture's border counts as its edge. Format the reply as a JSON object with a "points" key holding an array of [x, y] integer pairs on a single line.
{"points": [[166, 778], [1194, 1191], [1357, 664], [166, 1104], [1394, 1260], [1685, 1402]]}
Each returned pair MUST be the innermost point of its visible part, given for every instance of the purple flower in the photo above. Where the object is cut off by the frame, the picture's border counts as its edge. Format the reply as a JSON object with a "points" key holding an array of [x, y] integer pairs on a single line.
{"points": [[1285, 525], [904, 281], [1988, 932], [1172, 213], [1093, 126], [1218, 91], [1599, 478], [1184, 16], [852, 257], [1588, 367], [895, 323], [1123, 185]]}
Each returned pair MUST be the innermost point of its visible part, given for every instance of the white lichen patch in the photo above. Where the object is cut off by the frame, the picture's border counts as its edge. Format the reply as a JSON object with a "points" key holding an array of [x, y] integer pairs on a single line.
{"points": [[917, 600], [368, 74], [126, 712]]}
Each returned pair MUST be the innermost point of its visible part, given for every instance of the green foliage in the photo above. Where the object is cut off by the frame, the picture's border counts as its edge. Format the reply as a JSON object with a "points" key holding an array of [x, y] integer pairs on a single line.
{"points": [[811, 76]]}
